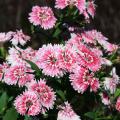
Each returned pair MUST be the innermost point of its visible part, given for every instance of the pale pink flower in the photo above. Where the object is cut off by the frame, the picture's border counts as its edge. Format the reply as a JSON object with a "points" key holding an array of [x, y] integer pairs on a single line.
{"points": [[14, 57], [9, 35], [102, 40], [42, 16], [47, 59], [60, 4], [67, 58], [88, 58], [110, 47], [93, 35], [19, 56], [105, 99], [18, 74], [110, 83], [105, 61], [74, 41], [67, 113], [3, 37], [19, 37], [81, 79], [28, 104], [45, 93], [118, 104], [87, 37], [28, 54], [80, 4]]}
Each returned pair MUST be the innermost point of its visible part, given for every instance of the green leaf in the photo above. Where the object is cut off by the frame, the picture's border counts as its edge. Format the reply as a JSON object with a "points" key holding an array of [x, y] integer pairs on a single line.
{"points": [[57, 32], [3, 102], [38, 72], [11, 114], [117, 93], [32, 29], [91, 115], [27, 118], [61, 94]]}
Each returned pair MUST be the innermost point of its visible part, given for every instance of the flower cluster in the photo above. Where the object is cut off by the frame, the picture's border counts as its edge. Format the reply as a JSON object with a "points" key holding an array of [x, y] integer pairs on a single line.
{"points": [[85, 60], [85, 7], [37, 99]]}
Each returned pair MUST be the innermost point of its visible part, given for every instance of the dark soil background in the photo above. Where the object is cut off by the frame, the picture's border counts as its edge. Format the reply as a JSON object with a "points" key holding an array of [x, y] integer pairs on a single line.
{"points": [[14, 13]]}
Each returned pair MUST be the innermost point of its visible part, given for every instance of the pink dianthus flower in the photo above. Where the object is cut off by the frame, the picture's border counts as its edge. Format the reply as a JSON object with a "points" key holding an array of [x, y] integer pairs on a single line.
{"points": [[80, 4], [81, 79], [28, 104], [45, 93], [67, 58], [88, 58], [20, 74], [19, 37], [42, 16], [67, 113], [47, 59]]}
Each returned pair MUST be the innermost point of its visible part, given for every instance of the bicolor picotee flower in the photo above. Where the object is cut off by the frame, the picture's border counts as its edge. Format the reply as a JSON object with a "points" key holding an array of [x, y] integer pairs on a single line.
{"points": [[67, 113], [18, 74], [81, 79], [28, 104], [45, 93], [47, 60], [19, 37], [42, 16]]}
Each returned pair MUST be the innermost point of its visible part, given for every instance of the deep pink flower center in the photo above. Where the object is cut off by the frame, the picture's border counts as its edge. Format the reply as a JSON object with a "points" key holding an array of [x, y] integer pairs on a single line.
{"points": [[29, 103], [88, 57]]}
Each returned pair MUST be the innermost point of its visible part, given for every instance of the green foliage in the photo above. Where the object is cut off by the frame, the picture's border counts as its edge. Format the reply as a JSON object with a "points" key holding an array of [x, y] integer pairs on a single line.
{"points": [[91, 115], [11, 114], [3, 102]]}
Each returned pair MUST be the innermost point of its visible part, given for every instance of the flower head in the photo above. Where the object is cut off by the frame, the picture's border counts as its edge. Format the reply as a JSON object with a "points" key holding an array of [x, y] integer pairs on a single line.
{"points": [[67, 113], [47, 59], [88, 58], [42, 16], [19, 37], [18, 74], [81, 79], [3, 37], [14, 55], [28, 104], [110, 83], [45, 93], [67, 58]]}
